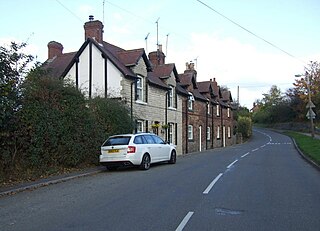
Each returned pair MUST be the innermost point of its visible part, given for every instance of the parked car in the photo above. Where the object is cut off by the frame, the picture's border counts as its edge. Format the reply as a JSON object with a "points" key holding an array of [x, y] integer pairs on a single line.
{"points": [[141, 150]]}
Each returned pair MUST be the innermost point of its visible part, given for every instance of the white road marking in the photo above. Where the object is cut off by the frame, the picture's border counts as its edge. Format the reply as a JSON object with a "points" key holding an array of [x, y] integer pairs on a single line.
{"points": [[212, 183], [245, 154], [229, 166], [184, 221], [255, 149], [262, 146]]}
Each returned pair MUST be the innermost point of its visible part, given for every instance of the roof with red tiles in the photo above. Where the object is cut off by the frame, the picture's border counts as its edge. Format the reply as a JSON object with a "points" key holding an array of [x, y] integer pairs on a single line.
{"points": [[58, 64]]}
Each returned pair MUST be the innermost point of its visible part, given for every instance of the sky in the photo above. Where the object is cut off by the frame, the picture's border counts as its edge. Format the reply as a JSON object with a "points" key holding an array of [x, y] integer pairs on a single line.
{"points": [[248, 45]]}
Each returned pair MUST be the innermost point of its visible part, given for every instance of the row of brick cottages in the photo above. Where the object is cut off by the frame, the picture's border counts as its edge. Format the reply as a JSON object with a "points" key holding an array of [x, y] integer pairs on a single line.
{"points": [[193, 115]]}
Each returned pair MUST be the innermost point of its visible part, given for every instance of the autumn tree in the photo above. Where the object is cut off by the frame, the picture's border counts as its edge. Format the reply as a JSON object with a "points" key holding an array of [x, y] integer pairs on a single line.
{"points": [[311, 77]]}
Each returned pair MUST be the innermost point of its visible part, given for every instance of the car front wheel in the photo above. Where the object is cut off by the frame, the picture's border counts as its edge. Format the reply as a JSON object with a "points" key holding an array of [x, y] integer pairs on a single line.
{"points": [[173, 157], [146, 162]]}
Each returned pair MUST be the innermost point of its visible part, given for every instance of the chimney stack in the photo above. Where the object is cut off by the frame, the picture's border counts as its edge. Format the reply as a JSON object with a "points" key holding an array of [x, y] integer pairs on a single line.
{"points": [[93, 29], [54, 49], [157, 57], [190, 66]]}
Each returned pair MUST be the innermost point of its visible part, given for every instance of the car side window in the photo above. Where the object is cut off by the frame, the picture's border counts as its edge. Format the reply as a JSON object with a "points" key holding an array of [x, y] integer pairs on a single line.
{"points": [[138, 140], [149, 139], [158, 140]]}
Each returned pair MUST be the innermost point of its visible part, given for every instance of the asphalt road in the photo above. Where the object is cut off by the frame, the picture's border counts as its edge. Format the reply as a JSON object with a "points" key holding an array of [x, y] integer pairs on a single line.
{"points": [[261, 185]]}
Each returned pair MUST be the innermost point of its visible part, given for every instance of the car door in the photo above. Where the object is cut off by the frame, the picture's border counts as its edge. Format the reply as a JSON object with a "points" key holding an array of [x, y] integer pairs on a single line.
{"points": [[163, 148], [153, 148]]}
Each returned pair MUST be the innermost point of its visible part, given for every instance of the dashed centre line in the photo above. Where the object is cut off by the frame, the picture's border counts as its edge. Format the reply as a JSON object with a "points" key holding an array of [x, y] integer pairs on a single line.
{"points": [[184, 221], [245, 154], [212, 184], [230, 165], [255, 149]]}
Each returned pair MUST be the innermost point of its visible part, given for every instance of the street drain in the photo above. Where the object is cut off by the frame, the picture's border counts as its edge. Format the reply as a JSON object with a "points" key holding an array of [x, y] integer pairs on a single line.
{"points": [[224, 211]]}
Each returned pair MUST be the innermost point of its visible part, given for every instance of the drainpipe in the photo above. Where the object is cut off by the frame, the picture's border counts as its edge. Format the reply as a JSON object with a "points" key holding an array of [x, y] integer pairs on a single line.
{"points": [[131, 100], [221, 130], [212, 128], [187, 115], [207, 111], [166, 116]]}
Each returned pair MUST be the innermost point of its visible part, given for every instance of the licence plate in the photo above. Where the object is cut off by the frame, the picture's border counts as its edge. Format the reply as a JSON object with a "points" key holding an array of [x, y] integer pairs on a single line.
{"points": [[113, 151]]}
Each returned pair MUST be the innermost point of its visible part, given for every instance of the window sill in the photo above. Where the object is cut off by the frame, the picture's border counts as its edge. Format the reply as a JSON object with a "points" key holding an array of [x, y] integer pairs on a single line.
{"points": [[172, 108], [141, 102]]}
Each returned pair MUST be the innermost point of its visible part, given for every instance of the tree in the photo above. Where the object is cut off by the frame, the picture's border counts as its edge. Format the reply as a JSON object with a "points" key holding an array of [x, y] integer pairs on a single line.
{"points": [[311, 76], [273, 108], [273, 97], [13, 67]]}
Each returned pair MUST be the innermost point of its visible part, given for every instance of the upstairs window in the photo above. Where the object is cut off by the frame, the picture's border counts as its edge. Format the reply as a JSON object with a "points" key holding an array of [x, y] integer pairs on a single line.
{"points": [[228, 112], [218, 110], [190, 102], [139, 89], [171, 97]]}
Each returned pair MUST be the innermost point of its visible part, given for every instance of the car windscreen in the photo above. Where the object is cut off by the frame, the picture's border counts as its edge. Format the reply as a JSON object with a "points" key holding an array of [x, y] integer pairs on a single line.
{"points": [[118, 140]]}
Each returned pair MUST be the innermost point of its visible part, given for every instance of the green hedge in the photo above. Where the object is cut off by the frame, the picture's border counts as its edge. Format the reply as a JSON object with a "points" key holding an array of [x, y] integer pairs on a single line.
{"points": [[245, 126], [57, 127]]}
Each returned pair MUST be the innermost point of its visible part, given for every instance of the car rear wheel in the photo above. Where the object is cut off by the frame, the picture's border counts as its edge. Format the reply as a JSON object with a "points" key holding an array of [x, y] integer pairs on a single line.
{"points": [[146, 162], [173, 157]]}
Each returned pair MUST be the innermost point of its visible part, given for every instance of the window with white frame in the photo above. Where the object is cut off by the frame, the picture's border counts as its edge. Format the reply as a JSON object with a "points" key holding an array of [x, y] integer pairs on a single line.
{"points": [[190, 101], [228, 112], [139, 89], [218, 110], [171, 95], [208, 108], [190, 132], [170, 133], [208, 133], [139, 126], [218, 132], [229, 132]]}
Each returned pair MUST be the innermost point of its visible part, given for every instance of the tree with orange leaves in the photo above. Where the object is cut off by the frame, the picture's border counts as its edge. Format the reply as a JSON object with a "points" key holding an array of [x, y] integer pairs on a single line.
{"points": [[311, 77]]}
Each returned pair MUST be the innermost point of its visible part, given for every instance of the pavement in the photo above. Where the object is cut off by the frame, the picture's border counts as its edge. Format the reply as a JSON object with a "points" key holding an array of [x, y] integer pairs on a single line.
{"points": [[91, 171], [49, 181]]}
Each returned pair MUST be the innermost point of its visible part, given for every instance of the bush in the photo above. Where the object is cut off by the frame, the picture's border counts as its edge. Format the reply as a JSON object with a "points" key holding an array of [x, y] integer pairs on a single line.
{"points": [[57, 127], [245, 126]]}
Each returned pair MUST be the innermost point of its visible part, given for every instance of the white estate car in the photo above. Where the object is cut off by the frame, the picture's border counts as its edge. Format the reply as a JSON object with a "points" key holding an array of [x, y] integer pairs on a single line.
{"points": [[140, 150]]}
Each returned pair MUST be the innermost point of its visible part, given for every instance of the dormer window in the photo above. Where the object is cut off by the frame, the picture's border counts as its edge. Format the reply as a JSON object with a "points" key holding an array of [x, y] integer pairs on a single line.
{"points": [[228, 112], [190, 101]]}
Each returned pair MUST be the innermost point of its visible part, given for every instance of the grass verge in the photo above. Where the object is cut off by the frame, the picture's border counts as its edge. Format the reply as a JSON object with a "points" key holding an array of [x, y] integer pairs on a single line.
{"points": [[309, 146]]}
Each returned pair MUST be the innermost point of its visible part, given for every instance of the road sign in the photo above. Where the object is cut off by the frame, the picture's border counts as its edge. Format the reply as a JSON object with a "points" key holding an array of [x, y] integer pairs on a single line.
{"points": [[310, 104], [311, 114]]}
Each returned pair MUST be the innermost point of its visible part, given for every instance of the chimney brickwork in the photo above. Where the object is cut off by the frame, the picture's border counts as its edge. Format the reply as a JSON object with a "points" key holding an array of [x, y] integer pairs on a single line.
{"points": [[157, 57], [54, 49], [93, 29]]}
